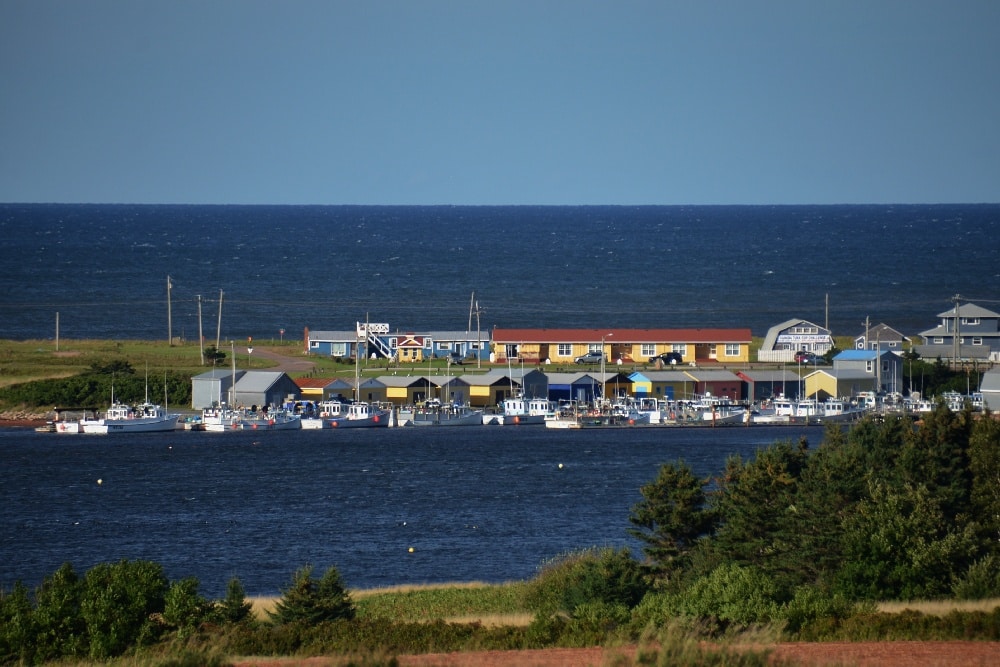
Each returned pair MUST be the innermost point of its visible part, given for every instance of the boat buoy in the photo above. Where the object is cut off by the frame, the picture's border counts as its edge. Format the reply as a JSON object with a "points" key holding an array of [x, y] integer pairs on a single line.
{"points": [[376, 419], [410, 550], [560, 466], [99, 481]]}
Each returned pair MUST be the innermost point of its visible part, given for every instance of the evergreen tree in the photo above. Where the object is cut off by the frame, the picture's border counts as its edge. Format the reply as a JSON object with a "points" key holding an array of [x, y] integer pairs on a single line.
{"points": [[984, 466], [309, 601], [753, 501], [671, 518], [235, 608]]}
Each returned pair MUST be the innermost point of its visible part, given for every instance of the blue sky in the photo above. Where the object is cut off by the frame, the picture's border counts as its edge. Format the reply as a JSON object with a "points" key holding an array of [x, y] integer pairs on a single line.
{"points": [[475, 102]]}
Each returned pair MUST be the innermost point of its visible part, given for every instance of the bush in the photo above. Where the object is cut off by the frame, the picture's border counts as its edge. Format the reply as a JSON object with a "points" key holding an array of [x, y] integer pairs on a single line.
{"points": [[810, 604], [980, 581], [313, 602], [118, 601], [16, 624], [60, 629], [602, 576], [732, 594], [183, 608]]}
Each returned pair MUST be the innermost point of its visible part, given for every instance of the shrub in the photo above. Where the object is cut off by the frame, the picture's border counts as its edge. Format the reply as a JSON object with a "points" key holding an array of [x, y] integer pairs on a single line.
{"points": [[732, 594], [118, 600], [60, 629], [313, 602], [980, 581], [810, 603], [183, 607], [593, 576], [16, 624]]}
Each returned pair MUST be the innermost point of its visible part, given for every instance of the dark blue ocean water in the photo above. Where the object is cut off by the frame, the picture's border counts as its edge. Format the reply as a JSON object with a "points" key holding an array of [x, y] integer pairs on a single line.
{"points": [[104, 268], [476, 503]]}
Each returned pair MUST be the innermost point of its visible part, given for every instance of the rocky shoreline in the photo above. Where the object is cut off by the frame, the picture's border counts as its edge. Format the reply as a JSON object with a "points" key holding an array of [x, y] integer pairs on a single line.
{"points": [[23, 419]]}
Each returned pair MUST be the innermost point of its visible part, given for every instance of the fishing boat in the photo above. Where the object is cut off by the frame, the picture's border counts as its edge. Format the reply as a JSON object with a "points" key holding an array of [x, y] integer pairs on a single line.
{"points": [[218, 419], [446, 415], [521, 411], [270, 420], [361, 415], [120, 418]]}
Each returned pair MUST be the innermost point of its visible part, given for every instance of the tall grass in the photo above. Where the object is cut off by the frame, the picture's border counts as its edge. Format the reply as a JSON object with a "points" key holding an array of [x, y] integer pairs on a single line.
{"points": [[939, 607]]}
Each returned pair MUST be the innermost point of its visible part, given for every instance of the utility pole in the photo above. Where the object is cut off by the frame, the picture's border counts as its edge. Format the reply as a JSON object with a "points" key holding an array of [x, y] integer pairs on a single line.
{"points": [[57, 331], [218, 325], [957, 344], [201, 338], [170, 324]]}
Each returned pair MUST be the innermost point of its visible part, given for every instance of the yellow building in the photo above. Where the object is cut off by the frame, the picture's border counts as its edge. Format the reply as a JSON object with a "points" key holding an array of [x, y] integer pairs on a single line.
{"points": [[627, 345]]}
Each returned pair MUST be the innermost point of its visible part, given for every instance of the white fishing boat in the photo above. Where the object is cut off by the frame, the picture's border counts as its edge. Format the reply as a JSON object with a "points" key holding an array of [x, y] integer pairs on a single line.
{"points": [[219, 419], [120, 418], [446, 415], [320, 417], [521, 411], [361, 415]]}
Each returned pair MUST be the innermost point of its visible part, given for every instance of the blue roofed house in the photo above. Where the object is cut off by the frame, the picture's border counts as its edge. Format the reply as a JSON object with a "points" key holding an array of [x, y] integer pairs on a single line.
{"points": [[855, 371], [967, 332]]}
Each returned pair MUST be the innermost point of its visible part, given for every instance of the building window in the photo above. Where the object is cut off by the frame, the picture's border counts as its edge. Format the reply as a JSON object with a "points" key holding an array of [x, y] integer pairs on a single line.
{"points": [[938, 340], [977, 341], [564, 350], [594, 347], [732, 349], [648, 350], [970, 320], [679, 348], [314, 344], [869, 366]]}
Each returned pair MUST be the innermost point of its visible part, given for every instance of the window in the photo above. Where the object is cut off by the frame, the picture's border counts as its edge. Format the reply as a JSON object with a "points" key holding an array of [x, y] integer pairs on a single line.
{"points": [[732, 349], [314, 344], [970, 320], [648, 350], [564, 350], [938, 340], [679, 348], [594, 347], [977, 340], [869, 366]]}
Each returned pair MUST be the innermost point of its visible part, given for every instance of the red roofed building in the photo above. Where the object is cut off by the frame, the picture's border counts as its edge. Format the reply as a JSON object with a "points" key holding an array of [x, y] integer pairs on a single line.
{"points": [[628, 345]]}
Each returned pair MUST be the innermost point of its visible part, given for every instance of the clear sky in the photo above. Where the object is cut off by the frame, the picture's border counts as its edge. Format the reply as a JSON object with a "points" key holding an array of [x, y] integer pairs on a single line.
{"points": [[500, 102]]}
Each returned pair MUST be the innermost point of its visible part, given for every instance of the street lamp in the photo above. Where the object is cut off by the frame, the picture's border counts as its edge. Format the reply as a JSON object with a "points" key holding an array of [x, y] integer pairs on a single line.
{"points": [[603, 357]]}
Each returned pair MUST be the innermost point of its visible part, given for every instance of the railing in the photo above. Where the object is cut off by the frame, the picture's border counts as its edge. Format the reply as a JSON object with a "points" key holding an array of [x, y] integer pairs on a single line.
{"points": [[778, 356]]}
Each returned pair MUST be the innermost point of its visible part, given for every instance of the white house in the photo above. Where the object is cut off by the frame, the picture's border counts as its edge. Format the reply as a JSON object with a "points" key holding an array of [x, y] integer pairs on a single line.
{"points": [[784, 340]]}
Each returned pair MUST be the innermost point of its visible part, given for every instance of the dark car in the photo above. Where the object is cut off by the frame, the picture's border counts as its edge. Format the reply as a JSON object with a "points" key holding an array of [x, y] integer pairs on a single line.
{"points": [[804, 357], [590, 358], [671, 358], [456, 358]]}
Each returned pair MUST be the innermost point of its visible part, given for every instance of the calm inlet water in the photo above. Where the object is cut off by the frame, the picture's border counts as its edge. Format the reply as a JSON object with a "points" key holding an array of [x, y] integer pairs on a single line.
{"points": [[476, 504]]}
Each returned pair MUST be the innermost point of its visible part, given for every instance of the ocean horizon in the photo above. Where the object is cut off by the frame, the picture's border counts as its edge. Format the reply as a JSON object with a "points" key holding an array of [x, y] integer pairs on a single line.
{"points": [[102, 270]]}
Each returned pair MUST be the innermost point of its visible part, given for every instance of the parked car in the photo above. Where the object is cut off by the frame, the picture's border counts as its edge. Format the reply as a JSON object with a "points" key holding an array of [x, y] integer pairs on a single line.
{"points": [[671, 358], [456, 358], [805, 357], [590, 358]]}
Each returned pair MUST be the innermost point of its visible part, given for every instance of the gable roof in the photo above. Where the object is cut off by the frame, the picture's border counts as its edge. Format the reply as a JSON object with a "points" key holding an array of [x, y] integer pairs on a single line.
{"points": [[772, 334]]}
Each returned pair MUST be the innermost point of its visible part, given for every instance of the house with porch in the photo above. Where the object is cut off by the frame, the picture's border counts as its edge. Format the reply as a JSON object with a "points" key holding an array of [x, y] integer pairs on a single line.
{"points": [[965, 333], [562, 346], [377, 340], [784, 340]]}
